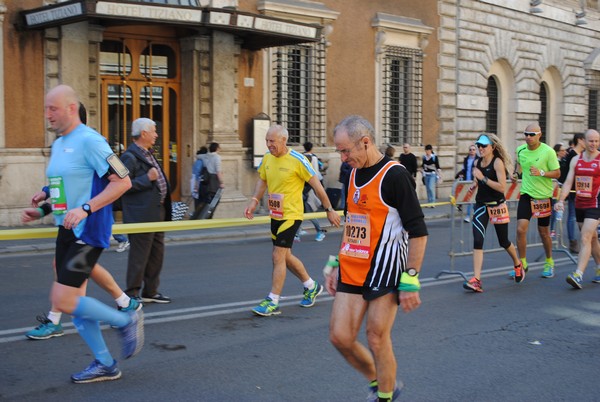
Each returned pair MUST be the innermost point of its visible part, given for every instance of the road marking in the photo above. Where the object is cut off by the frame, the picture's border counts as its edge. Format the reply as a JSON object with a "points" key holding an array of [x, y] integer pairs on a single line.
{"points": [[190, 313]]}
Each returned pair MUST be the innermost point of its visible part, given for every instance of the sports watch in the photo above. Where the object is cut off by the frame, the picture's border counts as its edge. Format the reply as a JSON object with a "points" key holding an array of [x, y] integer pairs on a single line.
{"points": [[86, 207]]}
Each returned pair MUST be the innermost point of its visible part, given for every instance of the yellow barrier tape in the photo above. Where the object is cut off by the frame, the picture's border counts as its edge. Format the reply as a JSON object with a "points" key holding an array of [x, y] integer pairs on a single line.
{"points": [[122, 228]]}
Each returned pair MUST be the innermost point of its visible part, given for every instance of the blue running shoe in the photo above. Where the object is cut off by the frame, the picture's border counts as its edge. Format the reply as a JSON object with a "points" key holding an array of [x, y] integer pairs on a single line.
{"points": [[46, 330], [266, 308], [597, 277], [310, 295], [134, 305], [575, 280], [320, 236], [548, 271], [132, 334], [96, 372]]}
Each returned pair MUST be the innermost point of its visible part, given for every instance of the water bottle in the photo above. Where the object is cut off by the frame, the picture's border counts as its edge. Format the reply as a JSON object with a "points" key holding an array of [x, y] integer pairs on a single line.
{"points": [[559, 215]]}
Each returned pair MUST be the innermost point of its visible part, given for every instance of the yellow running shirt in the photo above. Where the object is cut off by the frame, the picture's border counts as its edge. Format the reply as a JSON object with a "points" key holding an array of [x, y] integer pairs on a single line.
{"points": [[285, 177]]}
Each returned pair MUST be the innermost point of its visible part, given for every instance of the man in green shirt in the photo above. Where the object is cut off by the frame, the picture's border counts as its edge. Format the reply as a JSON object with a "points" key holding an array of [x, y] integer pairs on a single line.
{"points": [[538, 165]]}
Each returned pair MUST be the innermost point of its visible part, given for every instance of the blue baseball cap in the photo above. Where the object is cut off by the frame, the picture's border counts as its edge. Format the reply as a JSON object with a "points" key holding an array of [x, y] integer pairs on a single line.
{"points": [[484, 140]]}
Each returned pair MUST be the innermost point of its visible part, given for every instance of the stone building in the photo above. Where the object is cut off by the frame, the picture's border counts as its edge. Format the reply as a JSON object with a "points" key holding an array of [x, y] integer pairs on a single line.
{"points": [[213, 71], [430, 72], [506, 63]]}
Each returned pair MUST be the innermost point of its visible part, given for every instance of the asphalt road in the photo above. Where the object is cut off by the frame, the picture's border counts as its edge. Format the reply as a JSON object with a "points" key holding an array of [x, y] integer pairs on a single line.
{"points": [[537, 341]]}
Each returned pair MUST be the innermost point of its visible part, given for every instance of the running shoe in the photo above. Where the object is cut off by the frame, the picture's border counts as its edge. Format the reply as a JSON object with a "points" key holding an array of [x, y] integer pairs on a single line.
{"points": [[511, 274], [266, 308], [548, 271], [473, 284], [372, 397], [575, 280], [124, 246], [597, 277], [46, 330], [97, 372], [157, 298], [320, 236], [132, 334], [310, 295], [553, 233], [134, 305], [519, 273]]}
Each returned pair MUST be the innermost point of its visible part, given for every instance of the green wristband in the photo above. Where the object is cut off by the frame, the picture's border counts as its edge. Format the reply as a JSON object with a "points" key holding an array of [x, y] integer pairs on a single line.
{"points": [[41, 211], [409, 283], [333, 261]]}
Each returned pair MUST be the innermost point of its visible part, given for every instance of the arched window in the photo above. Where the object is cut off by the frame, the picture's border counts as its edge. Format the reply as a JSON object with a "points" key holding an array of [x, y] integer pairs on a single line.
{"points": [[491, 116]]}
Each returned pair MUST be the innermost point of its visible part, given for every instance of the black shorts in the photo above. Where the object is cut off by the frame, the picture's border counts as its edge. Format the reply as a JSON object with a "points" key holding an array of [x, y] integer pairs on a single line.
{"points": [[283, 232], [74, 259], [367, 293], [524, 210], [588, 213]]}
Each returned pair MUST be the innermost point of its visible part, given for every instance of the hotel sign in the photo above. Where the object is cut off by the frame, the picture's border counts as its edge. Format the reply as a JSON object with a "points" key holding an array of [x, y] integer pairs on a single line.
{"points": [[57, 13], [257, 31], [148, 12], [287, 28]]}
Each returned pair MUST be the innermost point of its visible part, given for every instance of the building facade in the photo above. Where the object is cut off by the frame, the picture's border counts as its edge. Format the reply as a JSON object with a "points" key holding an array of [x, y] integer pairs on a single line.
{"points": [[432, 72]]}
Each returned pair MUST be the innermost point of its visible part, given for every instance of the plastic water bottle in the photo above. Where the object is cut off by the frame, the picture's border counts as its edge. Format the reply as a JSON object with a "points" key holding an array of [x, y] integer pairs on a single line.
{"points": [[559, 215]]}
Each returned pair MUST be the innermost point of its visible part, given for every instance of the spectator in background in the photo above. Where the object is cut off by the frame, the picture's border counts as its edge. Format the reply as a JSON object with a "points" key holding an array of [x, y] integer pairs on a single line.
{"points": [[576, 149], [466, 173], [148, 200], [345, 170], [409, 160], [196, 180], [431, 171], [310, 199], [213, 165], [561, 153]]}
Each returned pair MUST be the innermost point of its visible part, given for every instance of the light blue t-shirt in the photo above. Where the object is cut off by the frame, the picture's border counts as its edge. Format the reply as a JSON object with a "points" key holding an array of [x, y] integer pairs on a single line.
{"points": [[75, 173]]}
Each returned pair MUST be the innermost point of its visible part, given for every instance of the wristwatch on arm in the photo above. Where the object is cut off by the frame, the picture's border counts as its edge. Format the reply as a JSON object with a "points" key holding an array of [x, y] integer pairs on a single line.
{"points": [[409, 281]]}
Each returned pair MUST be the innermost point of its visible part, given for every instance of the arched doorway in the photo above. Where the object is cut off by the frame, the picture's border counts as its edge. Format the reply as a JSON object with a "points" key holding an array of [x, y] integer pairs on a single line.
{"points": [[140, 77]]}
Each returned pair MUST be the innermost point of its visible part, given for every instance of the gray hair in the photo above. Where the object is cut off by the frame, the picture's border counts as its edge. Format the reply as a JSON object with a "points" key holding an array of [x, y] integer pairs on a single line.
{"points": [[356, 127], [141, 124], [280, 130]]}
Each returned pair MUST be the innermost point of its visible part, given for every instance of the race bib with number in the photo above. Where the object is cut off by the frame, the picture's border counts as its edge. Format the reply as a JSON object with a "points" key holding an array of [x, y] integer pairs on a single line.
{"points": [[276, 205], [356, 240], [498, 214], [541, 208], [58, 198], [583, 186]]}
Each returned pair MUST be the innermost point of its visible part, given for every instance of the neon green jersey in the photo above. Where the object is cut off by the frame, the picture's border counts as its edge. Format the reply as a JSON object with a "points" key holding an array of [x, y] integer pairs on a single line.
{"points": [[543, 158]]}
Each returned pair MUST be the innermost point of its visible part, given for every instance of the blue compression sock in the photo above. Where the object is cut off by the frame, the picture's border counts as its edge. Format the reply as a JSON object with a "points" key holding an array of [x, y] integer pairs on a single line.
{"points": [[91, 309], [92, 335]]}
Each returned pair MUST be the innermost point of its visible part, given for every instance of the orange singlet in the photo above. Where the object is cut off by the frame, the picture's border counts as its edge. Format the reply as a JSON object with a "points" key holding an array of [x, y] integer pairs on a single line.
{"points": [[374, 244]]}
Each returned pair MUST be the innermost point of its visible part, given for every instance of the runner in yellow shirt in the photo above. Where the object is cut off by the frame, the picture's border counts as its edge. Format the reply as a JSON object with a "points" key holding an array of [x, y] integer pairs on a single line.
{"points": [[284, 171]]}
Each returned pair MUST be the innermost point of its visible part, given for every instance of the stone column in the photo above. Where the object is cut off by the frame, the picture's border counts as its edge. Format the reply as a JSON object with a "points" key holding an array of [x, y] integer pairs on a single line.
{"points": [[224, 58]]}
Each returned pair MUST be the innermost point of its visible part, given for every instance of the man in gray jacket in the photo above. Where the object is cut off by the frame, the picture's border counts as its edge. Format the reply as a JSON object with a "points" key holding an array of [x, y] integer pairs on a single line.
{"points": [[148, 200]]}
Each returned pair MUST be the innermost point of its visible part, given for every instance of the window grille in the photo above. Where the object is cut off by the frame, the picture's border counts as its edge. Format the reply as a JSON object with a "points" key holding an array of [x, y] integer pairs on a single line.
{"points": [[299, 102], [491, 116], [543, 119], [402, 92], [593, 109]]}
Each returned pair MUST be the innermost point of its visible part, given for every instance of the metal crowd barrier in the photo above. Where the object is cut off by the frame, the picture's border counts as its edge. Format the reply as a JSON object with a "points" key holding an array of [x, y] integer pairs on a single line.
{"points": [[461, 235]]}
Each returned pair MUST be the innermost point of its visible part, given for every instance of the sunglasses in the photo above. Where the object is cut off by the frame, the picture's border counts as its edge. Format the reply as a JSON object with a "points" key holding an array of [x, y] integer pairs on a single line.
{"points": [[530, 133], [482, 145]]}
